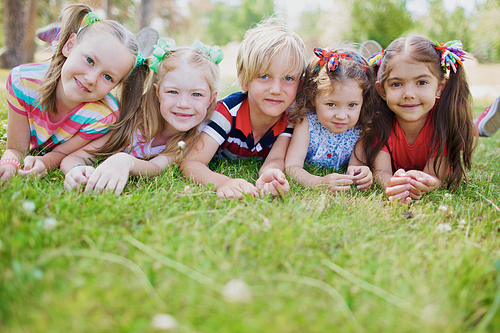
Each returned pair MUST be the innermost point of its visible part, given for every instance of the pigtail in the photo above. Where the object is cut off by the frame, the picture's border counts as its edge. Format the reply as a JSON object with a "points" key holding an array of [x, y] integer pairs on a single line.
{"points": [[72, 18], [135, 106], [454, 128]]}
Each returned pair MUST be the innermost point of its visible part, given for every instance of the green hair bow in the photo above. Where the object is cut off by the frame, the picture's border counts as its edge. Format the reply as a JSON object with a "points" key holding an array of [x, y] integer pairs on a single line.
{"points": [[214, 52], [160, 51]]}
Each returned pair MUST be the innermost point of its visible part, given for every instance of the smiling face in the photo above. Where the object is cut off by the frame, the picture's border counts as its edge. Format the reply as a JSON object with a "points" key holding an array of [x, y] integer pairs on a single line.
{"points": [[184, 96], [272, 92], [410, 89], [94, 66], [339, 109]]}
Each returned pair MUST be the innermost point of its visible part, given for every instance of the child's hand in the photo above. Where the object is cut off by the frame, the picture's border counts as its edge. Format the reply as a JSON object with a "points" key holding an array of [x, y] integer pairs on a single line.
{"points": [[421, 183], [33, 165], [235, 188], [77, 177], [274, 182], [363, 177], [7, 171], [110, 175], [337, 182], [398, 187]]}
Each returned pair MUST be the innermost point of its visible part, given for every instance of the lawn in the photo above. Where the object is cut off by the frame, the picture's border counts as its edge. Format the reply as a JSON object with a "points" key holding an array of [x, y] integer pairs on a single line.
{"points": [[310, 262]]}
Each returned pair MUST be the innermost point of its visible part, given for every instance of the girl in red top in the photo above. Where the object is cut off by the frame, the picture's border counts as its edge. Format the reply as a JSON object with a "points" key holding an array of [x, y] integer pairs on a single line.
{"points": [[422, 135]]}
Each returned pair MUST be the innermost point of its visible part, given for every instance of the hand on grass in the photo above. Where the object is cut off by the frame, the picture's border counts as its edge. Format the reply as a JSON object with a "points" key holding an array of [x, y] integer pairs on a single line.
{"points": [[111, 175], [363, 177], [77, 177], [33, 165], [274, 182], [336, 182], [421, 183], [235, 188], [7, 171], [398, 187]]}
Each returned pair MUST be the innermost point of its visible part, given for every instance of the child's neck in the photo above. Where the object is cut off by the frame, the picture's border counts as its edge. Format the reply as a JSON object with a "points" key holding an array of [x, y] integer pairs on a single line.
{"points": [[413, 128], [261, 125]]}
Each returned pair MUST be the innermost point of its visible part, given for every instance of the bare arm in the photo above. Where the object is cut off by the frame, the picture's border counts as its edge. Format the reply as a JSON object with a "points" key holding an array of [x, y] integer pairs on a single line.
{"points": [[363, 177], [296, 156], [271, 179], [18, 140], [195, 168]]}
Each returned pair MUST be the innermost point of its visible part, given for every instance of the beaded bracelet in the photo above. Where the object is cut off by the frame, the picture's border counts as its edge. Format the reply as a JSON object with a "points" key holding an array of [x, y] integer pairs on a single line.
{"points": [[11, 161]]}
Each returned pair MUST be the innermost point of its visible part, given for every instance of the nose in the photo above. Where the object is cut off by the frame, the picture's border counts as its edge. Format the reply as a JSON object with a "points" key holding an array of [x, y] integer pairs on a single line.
{"points": [[183, 102], [408, 93], [91, 77], [275, 86], [341, 114]]}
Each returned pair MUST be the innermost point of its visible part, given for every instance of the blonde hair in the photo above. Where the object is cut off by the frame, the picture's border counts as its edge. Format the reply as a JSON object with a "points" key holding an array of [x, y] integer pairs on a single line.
{"points": [[144, 113], [72, 18], [262, 44]]}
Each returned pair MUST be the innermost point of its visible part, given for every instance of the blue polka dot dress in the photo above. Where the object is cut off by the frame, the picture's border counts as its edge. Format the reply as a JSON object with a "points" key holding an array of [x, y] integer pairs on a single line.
{"points": [[327, 149]]}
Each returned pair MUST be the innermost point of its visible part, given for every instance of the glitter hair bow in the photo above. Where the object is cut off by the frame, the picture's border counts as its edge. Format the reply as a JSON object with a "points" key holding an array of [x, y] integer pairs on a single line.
{"points": [[452, 54], [92, 17], [376, 58], [332, 59], [160, 51], [214, 52]]}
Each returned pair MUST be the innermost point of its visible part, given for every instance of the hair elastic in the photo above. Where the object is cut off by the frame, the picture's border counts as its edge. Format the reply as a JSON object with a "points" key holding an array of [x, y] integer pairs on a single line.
{"points": [[376, 58], [332, 59], [452, 54], [140, 59], [92, 17], [214, 52]]}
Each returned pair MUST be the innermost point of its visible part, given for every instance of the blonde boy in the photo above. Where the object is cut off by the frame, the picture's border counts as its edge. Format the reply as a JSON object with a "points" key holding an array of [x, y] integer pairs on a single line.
{"points": [[253, 123]]}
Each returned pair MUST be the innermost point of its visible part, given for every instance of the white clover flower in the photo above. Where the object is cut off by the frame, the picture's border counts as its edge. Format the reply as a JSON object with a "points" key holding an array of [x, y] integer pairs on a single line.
{"points": [[4, 126], [443, 227], [29, 206], [49, 223], [187, 188], [447, 195], [181, 145], [237, 291], [461, 223], [162, 321], [443, 208]]}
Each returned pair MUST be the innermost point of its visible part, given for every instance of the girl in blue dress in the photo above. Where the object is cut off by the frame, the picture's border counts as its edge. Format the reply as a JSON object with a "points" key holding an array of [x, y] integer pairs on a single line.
{"points": [[329, 116]]}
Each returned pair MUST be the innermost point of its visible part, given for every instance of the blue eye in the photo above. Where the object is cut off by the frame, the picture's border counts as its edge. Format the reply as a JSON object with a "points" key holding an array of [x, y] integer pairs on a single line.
{"points": [[422, 83], [108, 78], [89, 60], [396, 84], [264, 76], [330, 104], [351, 105], [289, 78], [172, 92], [196, 94]]}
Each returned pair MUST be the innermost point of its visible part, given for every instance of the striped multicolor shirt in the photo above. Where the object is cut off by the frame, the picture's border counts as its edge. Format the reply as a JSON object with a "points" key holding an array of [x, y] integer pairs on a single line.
{"points": [[139, 148], [230, 126], [89, 120]]}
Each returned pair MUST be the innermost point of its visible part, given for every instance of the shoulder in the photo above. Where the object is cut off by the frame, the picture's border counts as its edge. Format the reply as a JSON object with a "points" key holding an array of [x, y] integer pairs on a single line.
{"points": [[233, 100]]}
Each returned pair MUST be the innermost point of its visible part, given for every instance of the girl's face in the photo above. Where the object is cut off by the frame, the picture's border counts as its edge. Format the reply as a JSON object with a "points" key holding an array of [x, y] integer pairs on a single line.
{"points": [[339, 110], [410, 89], [184, 96], [94, 66]]}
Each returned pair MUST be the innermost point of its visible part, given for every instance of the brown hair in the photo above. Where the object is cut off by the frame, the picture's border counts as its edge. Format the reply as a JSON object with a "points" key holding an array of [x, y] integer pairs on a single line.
{"points": [[72, 18], [143, 112], [319, 80], [452, 124]]}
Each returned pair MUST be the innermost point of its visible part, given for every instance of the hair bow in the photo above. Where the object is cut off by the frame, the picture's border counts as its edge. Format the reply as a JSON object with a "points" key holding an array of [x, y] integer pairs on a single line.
{"points": [[376, 58], [452, 54], [160, 51], [333, 59], [214, 52], [92, 17]]}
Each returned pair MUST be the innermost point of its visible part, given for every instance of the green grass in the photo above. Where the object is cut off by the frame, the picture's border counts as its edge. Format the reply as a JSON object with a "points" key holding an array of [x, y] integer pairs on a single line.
{"points": [[315, 262]]}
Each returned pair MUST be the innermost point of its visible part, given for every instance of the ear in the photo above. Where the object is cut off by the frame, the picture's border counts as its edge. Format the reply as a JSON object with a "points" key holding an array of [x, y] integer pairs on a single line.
{"points": [[214, 97], [380, 89], [441, 87], [155, 85], [69, 45]]}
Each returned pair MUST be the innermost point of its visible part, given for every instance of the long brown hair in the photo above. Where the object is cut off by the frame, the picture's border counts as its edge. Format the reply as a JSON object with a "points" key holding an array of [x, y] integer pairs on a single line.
{"points": [[451, 120], [142, 110], [72, 18], [320, 80]]}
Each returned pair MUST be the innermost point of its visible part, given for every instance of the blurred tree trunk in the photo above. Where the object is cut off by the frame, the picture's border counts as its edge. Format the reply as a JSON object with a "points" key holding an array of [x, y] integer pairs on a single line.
{"points": [[146, 13], [19, 30], [30, 28], [13, 20]]}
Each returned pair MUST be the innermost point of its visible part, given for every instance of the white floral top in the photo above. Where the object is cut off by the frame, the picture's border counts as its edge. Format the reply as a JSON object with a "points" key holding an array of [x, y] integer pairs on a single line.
{"points": [[327, 149]]}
